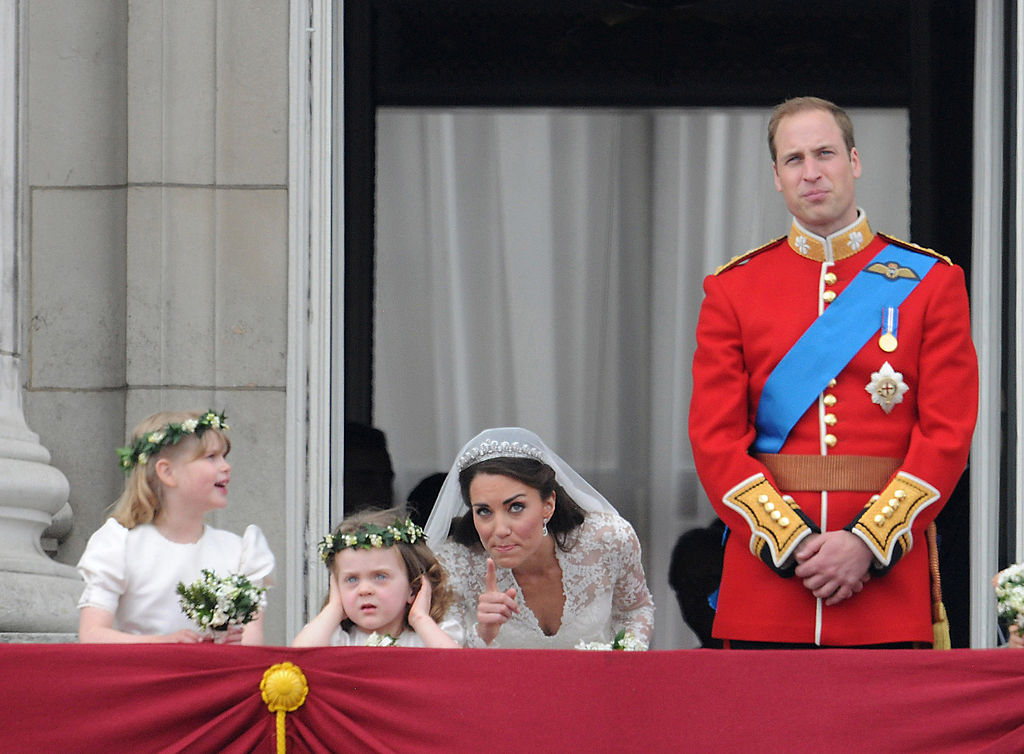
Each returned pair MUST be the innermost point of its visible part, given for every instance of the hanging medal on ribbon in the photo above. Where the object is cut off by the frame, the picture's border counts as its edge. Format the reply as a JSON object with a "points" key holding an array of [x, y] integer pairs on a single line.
{"points": [[827, 346], [890, 325]]}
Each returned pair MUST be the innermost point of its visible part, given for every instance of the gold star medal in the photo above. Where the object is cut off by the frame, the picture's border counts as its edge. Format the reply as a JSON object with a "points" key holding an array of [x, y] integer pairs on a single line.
{"points": [[890, 322]]}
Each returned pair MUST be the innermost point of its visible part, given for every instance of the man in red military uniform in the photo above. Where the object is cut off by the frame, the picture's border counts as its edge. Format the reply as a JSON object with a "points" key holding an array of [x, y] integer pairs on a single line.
{"points": [[835, 394]]}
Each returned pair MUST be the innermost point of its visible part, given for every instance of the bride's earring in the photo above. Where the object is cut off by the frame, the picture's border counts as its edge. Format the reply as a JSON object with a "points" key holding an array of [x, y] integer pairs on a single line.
{"points": [[544, 529]]}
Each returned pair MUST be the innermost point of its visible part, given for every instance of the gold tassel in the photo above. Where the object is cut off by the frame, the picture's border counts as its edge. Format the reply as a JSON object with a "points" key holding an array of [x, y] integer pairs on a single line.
{"points": [[284, 689], [940, 623], [940, 628]]}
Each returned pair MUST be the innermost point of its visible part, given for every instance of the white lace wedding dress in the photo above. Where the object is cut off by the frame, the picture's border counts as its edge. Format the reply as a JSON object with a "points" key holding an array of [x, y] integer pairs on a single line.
{"points": [[602, 578]]}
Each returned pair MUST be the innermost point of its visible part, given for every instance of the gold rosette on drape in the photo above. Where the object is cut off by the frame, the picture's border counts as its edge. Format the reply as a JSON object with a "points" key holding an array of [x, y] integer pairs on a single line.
{"points": [[284, 689]]}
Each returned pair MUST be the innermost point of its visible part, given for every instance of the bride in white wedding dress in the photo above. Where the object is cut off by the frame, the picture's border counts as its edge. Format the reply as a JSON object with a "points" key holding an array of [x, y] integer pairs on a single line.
{"points": [[539, 558]]}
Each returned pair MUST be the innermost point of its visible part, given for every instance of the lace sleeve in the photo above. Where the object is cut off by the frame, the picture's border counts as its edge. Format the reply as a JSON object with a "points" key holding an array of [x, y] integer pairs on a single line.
{"points": [[632, 604], [457, 562]]}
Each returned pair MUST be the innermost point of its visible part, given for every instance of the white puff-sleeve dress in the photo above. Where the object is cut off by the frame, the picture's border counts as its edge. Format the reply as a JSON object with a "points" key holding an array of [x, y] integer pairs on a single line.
{"points": [[357, 637], [134, 573]]}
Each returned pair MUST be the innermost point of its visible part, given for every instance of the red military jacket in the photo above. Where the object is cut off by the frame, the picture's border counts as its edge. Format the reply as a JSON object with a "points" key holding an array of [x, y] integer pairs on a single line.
{"points": [[755, 309]]}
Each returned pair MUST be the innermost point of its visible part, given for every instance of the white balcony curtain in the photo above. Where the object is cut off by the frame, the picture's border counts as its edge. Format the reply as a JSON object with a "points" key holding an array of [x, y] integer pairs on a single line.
{"points": [[543, 268]]}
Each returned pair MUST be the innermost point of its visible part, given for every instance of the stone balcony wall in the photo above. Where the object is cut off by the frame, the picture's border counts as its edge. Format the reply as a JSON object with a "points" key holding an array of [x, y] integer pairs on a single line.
{"points": [[154, 163]]}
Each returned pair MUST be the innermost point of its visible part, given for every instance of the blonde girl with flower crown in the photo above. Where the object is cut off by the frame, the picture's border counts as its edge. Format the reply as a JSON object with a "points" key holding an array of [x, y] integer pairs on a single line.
{"points": [[157, 537], [386, 587]]}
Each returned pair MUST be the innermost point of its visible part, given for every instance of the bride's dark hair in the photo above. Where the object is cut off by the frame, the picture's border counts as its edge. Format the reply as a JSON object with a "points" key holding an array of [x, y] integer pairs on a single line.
{"points": [[567, 516]]}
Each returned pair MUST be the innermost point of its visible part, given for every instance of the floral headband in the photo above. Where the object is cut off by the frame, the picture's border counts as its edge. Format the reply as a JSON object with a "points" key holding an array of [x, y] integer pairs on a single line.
{"points": [[367, 536], [151, 443]]}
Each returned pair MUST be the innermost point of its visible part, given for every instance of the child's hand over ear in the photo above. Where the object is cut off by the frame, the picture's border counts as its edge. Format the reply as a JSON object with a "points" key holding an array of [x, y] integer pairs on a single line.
{"points": [[334, 598], [421, 603]]}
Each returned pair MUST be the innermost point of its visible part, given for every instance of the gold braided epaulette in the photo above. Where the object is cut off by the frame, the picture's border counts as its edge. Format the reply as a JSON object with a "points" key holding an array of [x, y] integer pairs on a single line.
{"points": [[915, 247], [747, 255]]}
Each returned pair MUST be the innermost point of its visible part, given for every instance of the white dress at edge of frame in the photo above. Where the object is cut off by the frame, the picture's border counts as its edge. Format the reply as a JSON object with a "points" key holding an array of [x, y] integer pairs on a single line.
{"points": [[134, 573], [357, 637], [602, 578]]}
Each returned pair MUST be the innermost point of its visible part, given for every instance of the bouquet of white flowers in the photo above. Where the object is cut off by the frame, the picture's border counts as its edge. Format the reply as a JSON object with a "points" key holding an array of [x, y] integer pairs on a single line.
{"points": [[216, 602], [1009, 586], [623, 641]]}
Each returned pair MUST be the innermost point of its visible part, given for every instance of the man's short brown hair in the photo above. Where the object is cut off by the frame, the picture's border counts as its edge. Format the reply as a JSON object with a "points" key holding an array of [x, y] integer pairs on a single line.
{"points": [[799, 105]]}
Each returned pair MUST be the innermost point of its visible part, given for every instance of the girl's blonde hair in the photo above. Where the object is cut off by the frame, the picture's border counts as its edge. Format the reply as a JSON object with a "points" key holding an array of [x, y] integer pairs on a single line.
{"points": [[142, 497], [419, 560]]}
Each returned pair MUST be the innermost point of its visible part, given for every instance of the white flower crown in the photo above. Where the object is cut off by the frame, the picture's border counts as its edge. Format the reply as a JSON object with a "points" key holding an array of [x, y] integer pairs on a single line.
{"points": [[371, 535], [151, 443]]}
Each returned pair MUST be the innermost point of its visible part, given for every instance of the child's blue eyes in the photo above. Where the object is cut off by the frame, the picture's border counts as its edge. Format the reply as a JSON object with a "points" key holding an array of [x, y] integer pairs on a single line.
{"points": [[355, 579]]}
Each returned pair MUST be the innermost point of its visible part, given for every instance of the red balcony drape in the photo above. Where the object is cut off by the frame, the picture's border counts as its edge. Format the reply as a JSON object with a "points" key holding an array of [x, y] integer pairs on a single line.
{"points": [[206, 698]]}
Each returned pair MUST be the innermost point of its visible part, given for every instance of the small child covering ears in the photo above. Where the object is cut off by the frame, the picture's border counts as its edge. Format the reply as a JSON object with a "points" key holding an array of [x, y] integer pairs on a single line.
{"points": [[386, 587]]}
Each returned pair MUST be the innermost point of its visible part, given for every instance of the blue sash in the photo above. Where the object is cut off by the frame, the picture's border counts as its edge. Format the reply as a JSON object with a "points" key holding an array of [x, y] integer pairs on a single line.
{"points": [[831, 341]]}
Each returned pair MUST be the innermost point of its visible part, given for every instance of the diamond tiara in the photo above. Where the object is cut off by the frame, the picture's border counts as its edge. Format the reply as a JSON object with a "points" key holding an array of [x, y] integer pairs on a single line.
{"points": [[498, 449]]}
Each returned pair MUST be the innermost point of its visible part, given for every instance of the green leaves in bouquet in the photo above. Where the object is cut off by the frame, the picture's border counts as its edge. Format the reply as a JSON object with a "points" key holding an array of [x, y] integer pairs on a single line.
{"points": [[215, 603]]}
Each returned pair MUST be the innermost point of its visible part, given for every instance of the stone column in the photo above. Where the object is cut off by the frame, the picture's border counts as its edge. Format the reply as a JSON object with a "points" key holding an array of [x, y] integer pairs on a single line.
{"points": [[37, 595]]}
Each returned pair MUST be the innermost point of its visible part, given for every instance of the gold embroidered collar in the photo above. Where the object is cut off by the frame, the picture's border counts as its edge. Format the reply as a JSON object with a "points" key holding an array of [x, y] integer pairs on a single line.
{"points": [[839, 245]]}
